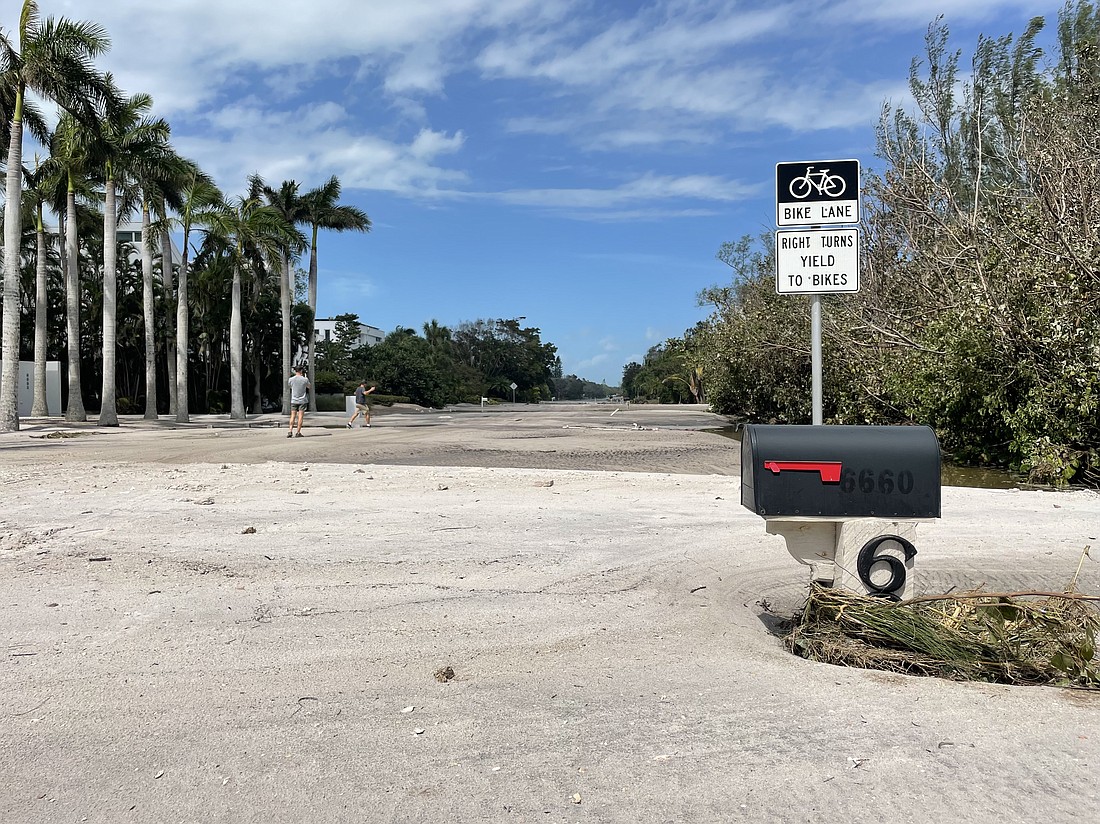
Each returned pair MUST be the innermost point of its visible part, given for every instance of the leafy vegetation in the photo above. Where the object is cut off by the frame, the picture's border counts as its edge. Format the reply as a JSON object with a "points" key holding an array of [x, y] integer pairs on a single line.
{"points": [[479, 359], [978, 312]]}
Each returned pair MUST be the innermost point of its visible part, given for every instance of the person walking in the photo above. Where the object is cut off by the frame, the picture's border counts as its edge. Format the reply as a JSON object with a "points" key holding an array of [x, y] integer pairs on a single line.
{"points": [[361, 405], [299, 400]]}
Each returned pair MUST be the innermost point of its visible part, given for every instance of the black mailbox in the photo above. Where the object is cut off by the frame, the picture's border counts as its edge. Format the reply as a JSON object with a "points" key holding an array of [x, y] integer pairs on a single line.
{"points": [[841, 471]]}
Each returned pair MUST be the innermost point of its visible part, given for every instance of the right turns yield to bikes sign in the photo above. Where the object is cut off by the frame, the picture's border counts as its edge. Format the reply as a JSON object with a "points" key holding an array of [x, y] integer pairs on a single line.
{"points": [[817, 193]]}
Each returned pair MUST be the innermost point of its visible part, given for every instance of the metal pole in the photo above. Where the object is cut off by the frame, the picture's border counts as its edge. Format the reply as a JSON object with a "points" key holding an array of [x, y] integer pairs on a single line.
{"points": [[815, 354]]}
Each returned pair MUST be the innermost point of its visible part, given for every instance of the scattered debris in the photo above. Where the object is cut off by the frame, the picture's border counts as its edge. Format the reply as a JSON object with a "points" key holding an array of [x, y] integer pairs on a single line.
{"points": [[408, 709], [159, 774], [442, 487], [248, 530], [544, 483], [1036, 638], [696, 589], [418, 731], [444, 674], [576, 798], [100, 558], [205, 502], [59, 434]]}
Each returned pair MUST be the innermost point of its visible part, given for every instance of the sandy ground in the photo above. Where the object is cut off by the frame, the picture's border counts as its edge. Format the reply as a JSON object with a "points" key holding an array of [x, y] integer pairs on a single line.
{"points": [[215, 623]]}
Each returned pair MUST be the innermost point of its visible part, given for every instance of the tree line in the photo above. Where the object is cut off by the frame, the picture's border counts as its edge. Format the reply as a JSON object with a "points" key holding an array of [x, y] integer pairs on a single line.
{"points": [[476, 359], [978, 313], [217, 329], [220, 317]]}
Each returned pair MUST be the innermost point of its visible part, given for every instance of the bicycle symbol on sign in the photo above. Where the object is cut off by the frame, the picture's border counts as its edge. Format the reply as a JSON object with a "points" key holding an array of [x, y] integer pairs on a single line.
{"points": [[821, 182]]}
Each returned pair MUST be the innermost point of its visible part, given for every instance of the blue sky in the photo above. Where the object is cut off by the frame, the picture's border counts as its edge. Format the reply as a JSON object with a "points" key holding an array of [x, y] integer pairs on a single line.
{"points": [[574, 162]]}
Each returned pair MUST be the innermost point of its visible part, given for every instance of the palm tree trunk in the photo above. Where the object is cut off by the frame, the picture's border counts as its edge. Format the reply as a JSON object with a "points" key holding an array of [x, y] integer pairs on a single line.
{"points": [[9, 349], [284, 304], [313, 320], [182, 331], [39, 407], [108, 413], [74, 410], [167, 278], [236, 365], [257, 383], [148, 313]]}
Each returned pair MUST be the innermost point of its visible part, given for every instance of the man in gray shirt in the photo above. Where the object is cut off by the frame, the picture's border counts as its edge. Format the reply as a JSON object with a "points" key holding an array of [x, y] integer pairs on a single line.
{"points": [[299, 400]]}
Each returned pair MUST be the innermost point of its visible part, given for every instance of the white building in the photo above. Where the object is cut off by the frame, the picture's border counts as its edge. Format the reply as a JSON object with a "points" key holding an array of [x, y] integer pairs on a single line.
{"points": [[130, 232], [325, 330]]}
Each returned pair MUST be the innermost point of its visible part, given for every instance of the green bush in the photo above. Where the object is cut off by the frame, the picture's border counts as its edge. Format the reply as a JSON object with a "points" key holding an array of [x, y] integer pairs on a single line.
{"points": [[327, 382], [330, 403]]}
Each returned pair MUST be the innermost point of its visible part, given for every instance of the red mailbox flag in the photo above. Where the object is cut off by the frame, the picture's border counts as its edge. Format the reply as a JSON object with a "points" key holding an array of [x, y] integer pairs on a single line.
{"points": [[829, 470]]}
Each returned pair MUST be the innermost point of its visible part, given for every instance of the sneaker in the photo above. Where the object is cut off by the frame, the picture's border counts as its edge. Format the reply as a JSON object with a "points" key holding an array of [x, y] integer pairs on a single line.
{"points": [[348, 425], [297, 434], [368, 426], [290, 434]]}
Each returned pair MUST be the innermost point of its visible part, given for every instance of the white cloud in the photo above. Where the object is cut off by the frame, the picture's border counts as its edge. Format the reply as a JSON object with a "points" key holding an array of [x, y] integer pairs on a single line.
{"points": [[646, 188], [360, 89], [922, 12], [591, 363]]}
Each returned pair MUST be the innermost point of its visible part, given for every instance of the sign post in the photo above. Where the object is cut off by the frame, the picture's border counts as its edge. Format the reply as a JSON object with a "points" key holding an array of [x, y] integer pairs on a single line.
{"points": [[813, 260]]}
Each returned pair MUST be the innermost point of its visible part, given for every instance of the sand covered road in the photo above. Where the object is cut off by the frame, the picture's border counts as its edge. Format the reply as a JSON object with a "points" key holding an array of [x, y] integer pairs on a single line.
{"points": [[547, 436], [217, 632]]}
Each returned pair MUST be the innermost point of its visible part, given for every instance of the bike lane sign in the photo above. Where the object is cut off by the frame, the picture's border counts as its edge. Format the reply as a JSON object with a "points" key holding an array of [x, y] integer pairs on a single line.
{"points": [[817, 193]]}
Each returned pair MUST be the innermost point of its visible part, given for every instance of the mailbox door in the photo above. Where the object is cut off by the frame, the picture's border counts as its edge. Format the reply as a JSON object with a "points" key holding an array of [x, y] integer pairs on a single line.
{"points": [[841, 471]]}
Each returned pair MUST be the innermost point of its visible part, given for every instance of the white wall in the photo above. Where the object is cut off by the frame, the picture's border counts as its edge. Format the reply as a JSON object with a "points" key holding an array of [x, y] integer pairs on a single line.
{"points": [[25, 388]]}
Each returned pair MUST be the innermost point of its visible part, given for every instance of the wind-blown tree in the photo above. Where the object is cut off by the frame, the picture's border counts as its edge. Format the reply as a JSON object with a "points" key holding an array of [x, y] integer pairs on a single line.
{"points": [[247, 228], [286, 201], [321, 210], [52, 58], [200, 202]]}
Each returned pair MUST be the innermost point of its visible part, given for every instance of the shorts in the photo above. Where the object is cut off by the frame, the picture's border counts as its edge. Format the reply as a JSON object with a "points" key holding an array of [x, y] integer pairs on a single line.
{"points": [[299, 407], [362, 407]]}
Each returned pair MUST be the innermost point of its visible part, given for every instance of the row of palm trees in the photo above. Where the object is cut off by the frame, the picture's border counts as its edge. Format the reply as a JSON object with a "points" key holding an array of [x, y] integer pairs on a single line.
{"points": [[108, 151]]}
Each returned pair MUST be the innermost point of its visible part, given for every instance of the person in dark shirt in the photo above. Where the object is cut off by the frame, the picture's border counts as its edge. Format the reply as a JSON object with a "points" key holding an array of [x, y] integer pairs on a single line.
{"points": [[361, 405]]}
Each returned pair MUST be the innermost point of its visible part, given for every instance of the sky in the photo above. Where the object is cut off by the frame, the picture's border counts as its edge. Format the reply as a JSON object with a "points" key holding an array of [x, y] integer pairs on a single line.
{"points": [[574, 163]]}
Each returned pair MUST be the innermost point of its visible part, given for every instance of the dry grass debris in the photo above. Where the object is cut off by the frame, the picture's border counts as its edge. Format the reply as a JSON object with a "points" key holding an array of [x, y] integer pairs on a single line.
{"points": [[1046, 638]]}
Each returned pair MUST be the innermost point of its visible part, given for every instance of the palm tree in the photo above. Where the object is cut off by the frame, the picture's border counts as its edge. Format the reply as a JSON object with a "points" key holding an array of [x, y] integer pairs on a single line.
{"points": [[53, 58], [153, 169], [200, 200], [37, 195], [168, 194], [248, 228], [321, 210], [69, 156], [286, 202], [124, 143]]}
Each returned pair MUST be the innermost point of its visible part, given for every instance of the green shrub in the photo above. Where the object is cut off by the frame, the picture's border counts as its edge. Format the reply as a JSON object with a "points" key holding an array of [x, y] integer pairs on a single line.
{"points": [[330, 403]]}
